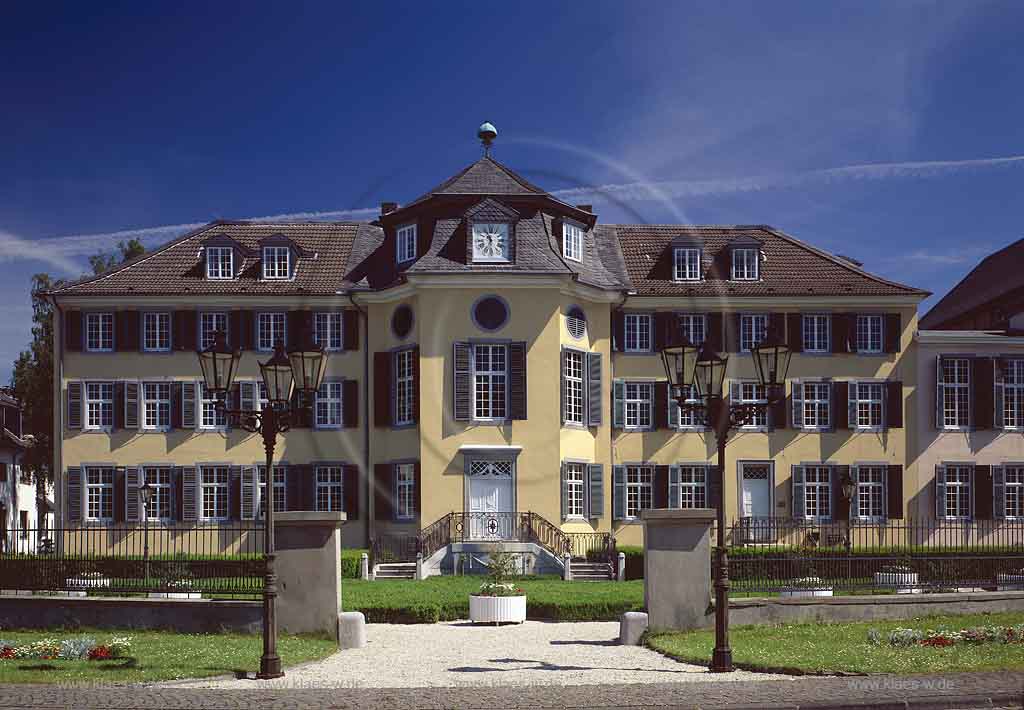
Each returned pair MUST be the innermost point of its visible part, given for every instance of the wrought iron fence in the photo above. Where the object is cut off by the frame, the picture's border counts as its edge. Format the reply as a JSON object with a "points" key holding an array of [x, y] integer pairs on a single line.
{"points": [[594, 547], [795, 557], [221, 560], [393, 548]]}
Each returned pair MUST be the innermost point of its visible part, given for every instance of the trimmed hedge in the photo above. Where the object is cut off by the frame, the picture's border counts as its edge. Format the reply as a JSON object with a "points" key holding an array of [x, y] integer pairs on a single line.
{"points": [[634, 561], [350, 562]]}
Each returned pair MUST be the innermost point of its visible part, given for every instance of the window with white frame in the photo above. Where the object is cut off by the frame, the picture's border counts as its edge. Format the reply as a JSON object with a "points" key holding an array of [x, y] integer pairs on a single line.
{"points": [[220, 262], [490, 364], [816, 338], [99, 405], [156, 332], [327, 330], [329, 488], [1013, 394], [692, 487], [210, 416], [99, 493], [156, 405], [869, 333], [1013, 492], [406, 238], [688, 417], [575, 486], [99, 332], [955, 387], [957, 491], [573, 376], [405, 491], [637, 405], [693, 327], [405, 387], [744, 264], [572, 241], [210, 323], [639, 494], [817, 493], [328, 405], [213, 484], [755, 393], [276, 262], [280, 473], [753, 330], [817, 404], [686, 264], [159, 480], [272, 327], [870, 482], [638, 332], [868, 398]]}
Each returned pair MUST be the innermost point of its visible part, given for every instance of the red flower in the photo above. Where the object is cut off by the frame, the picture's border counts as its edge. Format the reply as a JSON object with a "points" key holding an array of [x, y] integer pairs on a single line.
{"points": [[7, 652], [100, 653], [937, 641]]}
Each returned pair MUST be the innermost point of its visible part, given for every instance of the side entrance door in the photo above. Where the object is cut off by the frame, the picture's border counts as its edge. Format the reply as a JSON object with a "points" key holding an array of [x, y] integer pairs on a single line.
{"points": [[491, 515], [756, 501]]}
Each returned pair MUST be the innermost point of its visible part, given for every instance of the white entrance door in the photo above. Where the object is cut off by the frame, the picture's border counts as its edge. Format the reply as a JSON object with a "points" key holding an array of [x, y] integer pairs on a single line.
{"points": [[491, 516], [756, 500]]}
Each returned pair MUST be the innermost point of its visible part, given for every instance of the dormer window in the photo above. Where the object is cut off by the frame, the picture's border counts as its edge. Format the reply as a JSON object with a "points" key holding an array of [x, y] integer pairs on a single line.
{"points": [[406, 250], [490, 242], [220, 262], [686, 264], [276, 262], [572, 241], [745, 264]]}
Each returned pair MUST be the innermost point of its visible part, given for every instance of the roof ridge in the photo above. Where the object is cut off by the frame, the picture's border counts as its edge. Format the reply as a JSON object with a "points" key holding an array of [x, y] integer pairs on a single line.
{"points": [[951, 295]]}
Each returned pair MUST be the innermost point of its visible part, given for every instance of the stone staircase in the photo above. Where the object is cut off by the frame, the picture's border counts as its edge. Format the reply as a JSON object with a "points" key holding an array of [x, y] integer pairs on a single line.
{"points": [[591, 571], [395, 570]]}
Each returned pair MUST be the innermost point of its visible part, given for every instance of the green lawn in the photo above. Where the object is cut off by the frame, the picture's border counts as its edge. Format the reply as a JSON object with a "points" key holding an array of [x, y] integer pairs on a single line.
{"points": [[832, 648], [447, 598], [158, 655]]}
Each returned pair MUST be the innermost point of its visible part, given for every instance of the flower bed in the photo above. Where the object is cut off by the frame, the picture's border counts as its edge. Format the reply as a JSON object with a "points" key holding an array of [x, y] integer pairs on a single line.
{"points": [[947, 637], [73, 649]]}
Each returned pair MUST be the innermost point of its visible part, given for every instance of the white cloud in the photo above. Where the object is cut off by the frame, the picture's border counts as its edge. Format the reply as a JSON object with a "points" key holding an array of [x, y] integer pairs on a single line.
{"points": [[15, 248], [960, 255]]}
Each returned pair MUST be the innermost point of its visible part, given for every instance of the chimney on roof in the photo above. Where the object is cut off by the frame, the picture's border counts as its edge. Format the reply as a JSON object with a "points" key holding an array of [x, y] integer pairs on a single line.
{"points": [[585, 208], [387, 208]]}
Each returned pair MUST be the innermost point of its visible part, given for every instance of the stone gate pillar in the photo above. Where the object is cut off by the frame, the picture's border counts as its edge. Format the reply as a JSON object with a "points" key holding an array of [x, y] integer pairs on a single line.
{"points": [[308, 546], [677, 567]]}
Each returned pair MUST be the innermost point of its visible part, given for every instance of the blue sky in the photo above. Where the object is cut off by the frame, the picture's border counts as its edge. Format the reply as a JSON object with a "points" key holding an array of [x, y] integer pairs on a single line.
{"points": [[890, 132]]}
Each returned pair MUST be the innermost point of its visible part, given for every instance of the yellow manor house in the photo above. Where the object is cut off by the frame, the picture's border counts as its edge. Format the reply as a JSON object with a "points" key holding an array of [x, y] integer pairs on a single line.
{"points": [[493, 375]]}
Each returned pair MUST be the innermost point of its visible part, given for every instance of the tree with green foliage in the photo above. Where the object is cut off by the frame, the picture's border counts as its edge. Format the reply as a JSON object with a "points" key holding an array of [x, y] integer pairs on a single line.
{"points": [[126, 251]]}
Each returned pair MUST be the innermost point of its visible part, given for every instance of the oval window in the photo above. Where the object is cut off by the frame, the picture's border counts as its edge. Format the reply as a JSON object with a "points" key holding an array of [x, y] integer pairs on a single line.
{"points": [[490, 313], [576, 322], [401, 321]]}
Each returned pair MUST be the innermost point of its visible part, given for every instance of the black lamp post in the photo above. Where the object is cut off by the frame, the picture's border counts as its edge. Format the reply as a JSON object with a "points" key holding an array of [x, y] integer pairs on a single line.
{"points": [[145, 493], [302, 368], [701, 372]]}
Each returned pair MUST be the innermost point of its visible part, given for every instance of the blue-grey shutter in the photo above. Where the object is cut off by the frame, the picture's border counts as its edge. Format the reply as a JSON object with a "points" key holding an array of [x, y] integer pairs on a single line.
{"points": [[562, 386], [938, 393], [618, 404], [189, 415], [247, 396], [73, 492], [940, 492], [594, 389], [131, 494], [235, 491], [999, 394], [851, 404], [131, 405], [619, 492], [798, 404], [189, 493], [797, 482], [565, 488], [250, 485], [595, 476], [673, 487], [462, 387], [855, 477], [673, 412], [74, 405], [998, 492]]}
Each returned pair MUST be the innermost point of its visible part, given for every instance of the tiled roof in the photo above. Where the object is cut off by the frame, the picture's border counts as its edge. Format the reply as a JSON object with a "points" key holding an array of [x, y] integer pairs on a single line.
{"points": [[177, 267], [997, 274], [789, 268]]}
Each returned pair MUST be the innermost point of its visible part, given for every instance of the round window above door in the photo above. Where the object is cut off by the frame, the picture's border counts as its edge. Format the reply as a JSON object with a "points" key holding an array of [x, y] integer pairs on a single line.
{"points": [[576, 322], [490, 313], [401, 321]]}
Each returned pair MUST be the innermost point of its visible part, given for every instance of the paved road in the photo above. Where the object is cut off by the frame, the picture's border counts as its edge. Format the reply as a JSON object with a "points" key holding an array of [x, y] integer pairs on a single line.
{"points": [[978, 690]]}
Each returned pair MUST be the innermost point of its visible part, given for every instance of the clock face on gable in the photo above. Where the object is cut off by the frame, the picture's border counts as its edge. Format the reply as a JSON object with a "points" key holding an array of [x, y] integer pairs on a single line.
{"points": [[490, 242]]}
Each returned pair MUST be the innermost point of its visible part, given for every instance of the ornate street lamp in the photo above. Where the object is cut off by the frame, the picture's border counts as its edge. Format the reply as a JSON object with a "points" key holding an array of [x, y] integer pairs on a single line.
{"points": [[703, 374], [145, 493], [302, 368]]}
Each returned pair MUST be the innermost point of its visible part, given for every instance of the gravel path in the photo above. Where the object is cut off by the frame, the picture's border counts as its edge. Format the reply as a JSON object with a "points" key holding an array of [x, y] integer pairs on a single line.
{"points": [[461, 654]]}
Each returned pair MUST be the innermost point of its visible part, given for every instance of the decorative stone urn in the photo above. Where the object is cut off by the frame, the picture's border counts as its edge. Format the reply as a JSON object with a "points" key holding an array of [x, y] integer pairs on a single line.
{"points": [[807, 587], [497, 610]]}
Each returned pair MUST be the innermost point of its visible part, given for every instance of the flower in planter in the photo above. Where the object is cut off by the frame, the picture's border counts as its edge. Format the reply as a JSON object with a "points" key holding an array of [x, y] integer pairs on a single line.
{"points": [[807, 583], [100, 653], [120, 646], [500, 589]]}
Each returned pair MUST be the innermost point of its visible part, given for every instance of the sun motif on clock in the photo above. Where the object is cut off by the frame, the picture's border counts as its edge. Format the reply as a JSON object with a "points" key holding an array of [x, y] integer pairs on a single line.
{"points": [[490, 242]]}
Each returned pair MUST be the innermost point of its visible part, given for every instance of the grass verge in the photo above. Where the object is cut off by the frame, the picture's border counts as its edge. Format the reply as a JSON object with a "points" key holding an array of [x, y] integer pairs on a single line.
{"points": [[158, 655], [844, 648], [447, 598]]}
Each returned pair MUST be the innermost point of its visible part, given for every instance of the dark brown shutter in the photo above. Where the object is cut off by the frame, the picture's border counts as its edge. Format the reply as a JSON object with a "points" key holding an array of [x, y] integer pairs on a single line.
{"points": [[983, 378], [893, 331], [839, 331], [119, 405], [665, 329], [350, 330], [293, 331], [73, 330], [894, 404], [660, 407], [126, 331], [732, 332], [840, 405], [894, 492], [842, 504], [461, 382], [517, 380], [416, 383], [382, 389], [296, 480], [714, 335], [350, 490], [176, 405], [618, 331], [777, 326], [383, 491], [302, 410], [240, 330], [778, 412], [185, 327], [418, 482], [982, 492], [350, 404], [306, 481], [660, 497], [795, 332], [119, 494]]}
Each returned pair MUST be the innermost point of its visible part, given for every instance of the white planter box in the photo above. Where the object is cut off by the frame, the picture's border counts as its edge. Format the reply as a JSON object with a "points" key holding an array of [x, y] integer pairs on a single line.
{"points": [[87, 581], [904, 582], [1010, 582], [175, 595], [805, 592], [497, 610]]}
